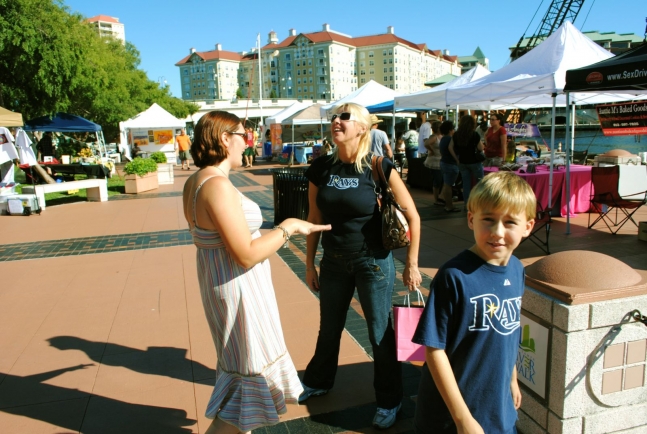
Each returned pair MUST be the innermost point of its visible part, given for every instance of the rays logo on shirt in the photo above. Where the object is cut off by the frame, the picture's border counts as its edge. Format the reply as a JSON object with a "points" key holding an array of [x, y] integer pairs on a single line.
{"points": [[343, 183], [501, 315]]}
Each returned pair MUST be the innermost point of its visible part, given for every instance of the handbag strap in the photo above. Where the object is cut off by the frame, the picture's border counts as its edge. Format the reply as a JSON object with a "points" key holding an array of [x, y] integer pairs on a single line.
{"points": [[378, 171], [376, 180], [407, 298]]}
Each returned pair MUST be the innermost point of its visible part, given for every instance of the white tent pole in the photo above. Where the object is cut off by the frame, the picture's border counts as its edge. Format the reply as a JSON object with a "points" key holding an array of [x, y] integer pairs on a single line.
{"points": [[573, 131], [260, 84], [393, 144], [552, 153], [568, 166]]}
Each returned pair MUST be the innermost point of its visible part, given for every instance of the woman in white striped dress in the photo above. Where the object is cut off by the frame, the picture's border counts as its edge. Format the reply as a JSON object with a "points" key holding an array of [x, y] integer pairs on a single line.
{"points": [[255, 376]]}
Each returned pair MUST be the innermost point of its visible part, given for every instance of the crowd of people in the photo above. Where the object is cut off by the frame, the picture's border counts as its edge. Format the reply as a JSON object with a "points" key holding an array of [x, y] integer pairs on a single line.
{"points": [[256, 377]]}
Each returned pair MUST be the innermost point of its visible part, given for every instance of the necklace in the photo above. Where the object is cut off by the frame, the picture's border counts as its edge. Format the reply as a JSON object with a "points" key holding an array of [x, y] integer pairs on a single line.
{"points": [[221, 171]]}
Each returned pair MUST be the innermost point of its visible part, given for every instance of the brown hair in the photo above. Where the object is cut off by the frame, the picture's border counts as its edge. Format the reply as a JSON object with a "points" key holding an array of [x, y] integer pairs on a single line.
{"points": [[435, 127], [465, 131], [206, 148]]}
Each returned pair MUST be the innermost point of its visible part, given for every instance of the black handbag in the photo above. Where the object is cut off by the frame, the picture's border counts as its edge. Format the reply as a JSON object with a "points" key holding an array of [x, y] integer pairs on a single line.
{"points": [[395, 228]]}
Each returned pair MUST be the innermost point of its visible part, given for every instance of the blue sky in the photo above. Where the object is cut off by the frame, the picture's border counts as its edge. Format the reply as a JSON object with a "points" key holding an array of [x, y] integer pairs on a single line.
{"points": [[164, 31]]}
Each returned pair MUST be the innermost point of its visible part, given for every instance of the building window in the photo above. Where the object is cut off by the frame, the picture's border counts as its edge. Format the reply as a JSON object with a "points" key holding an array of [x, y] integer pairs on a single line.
{"points": [[371, 71], [363, 80], [361, 55], [390, 60], [304, 72], [384, 53], [386, 78], [384, 60], [371, 62], [361, 64], [386, 70], [320, 52], [370, 54], [390, 52], [362, 72]]}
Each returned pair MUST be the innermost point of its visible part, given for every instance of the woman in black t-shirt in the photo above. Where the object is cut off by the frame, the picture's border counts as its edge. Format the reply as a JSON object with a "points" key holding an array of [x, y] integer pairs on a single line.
{"points": [[341, 193], [466, 142]]}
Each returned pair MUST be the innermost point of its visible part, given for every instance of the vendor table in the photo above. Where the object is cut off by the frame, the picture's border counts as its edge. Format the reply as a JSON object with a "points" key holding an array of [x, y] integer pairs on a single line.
{"points": [[580, 186], [91, 170]]}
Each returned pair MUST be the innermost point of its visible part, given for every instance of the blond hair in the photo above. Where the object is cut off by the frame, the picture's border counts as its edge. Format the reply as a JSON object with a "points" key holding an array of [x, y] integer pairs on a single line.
{"points": [[362, 117], [504, 191]]}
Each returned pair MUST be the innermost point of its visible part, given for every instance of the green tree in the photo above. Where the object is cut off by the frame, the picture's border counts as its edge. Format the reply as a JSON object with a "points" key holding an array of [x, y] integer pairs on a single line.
{"points": [[273, 94], [53, 61], [239, 93]]}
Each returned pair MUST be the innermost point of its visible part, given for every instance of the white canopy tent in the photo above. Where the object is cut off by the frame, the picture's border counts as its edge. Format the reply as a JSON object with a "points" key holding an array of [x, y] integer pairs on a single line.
{"points": [[436, 98], [537, 79], [153, 118], [287, 112], [531, 80], [370, 94]]}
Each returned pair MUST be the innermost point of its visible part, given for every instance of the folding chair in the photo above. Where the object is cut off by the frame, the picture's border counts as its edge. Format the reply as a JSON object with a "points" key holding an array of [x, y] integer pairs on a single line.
{"points": [[541, 232], [616, 194]]}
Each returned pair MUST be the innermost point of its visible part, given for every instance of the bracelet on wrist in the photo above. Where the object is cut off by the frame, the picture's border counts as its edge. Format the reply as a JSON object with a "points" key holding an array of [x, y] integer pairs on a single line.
{"points": [[286, 235]]}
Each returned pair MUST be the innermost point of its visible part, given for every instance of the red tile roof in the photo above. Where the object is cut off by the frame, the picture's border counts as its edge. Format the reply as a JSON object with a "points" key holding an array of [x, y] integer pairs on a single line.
{"points": [[104, 18], [218, 54]]}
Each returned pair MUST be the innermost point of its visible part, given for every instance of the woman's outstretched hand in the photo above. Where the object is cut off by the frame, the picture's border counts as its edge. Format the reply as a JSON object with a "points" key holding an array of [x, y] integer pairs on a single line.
{"points": [[302, 227]]}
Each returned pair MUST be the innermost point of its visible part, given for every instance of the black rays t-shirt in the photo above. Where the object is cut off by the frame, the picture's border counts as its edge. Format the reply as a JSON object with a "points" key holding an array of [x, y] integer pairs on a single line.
{"points": [[347, 202]]}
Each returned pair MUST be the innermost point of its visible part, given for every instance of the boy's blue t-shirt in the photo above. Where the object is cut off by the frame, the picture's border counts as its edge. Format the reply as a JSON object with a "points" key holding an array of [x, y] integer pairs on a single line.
{"points": [[473, 313]]}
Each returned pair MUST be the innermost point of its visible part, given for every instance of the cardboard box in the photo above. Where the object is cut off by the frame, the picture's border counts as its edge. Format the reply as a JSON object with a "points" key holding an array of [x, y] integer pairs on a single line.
{"points": [[642, 231]]}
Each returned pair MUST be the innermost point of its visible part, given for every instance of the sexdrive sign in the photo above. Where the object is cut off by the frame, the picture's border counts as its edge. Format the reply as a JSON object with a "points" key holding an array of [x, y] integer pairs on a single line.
{"points": [[626, 119]]}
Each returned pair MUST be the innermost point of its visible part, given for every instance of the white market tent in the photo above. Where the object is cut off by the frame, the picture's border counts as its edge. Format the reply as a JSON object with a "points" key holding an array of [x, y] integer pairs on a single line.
{"points": [[370, 94], [531, 80], [436, 98], [153, 118], [287, 112], [537, 79]]}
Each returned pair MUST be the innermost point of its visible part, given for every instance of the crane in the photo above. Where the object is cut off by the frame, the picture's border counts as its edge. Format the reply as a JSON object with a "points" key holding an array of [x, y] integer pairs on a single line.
{"points": [[558, 12]]}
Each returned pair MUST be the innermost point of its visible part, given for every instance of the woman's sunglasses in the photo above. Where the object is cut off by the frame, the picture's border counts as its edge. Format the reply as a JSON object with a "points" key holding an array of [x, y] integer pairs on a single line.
{"points": [[344, 116]]}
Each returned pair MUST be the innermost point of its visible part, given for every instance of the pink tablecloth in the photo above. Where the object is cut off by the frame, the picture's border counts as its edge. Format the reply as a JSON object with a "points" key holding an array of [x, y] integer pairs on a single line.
{"points": [[580, 190]]}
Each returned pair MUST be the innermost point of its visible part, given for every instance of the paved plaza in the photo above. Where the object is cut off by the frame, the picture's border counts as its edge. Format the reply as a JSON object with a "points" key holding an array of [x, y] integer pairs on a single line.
{"points": [[103, 331]]}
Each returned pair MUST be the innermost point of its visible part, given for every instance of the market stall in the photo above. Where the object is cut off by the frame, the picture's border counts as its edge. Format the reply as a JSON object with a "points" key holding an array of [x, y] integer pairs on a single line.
{"points": [[151, 130]]}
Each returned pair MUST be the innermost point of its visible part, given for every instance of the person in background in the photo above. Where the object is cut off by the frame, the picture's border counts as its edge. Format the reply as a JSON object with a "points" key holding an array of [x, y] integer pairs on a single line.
{"points": [[424, 131], [255, 376], [45, 146], [250, 151], [433, 161], [379, 140], [448, 164], [410, 139], [466, 143], [471, 323], [342, 193], [496, 138], [184, 145], [482, 130]]}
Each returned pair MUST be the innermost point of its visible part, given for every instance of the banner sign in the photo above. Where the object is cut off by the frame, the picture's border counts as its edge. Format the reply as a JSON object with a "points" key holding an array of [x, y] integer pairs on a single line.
{"points": [[532, 356], [626, 119], [275, 136], [522, 130]]}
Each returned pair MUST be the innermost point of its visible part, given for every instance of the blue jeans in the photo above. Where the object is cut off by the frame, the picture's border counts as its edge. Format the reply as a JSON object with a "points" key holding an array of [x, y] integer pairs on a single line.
{"points": [[470, 173], [373, 276]]}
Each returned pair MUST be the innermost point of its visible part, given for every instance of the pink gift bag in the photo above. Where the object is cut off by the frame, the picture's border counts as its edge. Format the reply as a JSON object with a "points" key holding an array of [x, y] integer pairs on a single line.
{"points": [[406, 318]]}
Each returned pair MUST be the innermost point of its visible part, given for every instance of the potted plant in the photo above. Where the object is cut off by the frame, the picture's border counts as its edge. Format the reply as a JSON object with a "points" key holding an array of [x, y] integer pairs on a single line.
{"points": [[140, 175], [164, 169]]}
